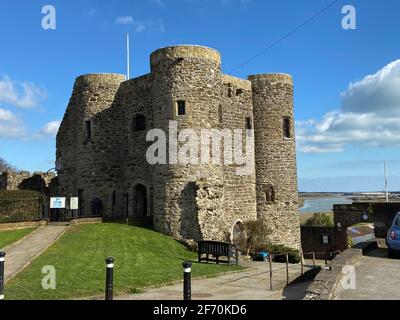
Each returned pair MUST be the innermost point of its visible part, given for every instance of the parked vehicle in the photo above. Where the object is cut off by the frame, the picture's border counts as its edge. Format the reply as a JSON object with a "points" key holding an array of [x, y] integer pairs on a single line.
{"points": [[393, 237]]}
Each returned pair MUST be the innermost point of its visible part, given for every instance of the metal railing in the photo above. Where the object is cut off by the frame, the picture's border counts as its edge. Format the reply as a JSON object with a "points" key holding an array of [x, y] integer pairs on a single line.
{"points": [[332, 254]]}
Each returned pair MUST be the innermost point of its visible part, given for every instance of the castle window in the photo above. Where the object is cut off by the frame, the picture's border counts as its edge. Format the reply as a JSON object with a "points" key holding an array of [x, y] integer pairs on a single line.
{"points": [[88, 130], [270, 194], [139, 123], [239, 92], [230, 90], [220, 114], [181, 108], [249, 123], [287, 130]]}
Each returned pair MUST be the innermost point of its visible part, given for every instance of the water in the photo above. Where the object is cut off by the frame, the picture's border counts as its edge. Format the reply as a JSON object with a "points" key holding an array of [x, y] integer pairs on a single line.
{"points": [[323, 204]]}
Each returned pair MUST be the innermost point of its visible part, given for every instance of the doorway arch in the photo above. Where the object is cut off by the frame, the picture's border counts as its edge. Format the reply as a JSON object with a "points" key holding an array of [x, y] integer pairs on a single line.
{"points": [[237, 232], [140, 201]]}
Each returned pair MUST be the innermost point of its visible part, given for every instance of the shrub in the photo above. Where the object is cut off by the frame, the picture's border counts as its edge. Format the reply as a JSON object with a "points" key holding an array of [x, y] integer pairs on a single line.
{"points": [[19, 194], [277, 252], [320, 220], [18, 206]]}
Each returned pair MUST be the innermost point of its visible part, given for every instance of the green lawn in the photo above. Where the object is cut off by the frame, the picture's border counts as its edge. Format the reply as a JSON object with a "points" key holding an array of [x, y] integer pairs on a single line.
{"points": [[143, 258], [8, 237]]}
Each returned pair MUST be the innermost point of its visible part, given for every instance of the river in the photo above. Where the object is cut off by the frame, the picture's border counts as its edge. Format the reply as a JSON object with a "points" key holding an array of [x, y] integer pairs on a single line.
{"points": [[323, 204]]}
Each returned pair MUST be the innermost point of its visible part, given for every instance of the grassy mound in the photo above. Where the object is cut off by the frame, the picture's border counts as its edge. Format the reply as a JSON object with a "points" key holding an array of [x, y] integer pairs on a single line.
{"points": [[143, 258]]}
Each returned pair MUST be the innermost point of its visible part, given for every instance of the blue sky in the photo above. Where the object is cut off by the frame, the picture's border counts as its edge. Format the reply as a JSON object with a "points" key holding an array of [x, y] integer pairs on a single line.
{"points": [[347, 97]]}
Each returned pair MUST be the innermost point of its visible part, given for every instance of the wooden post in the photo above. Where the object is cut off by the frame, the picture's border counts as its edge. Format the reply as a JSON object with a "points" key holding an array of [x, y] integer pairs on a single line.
{"points": [[313, 259], [270, 271], [287, 268], [302, 263]]}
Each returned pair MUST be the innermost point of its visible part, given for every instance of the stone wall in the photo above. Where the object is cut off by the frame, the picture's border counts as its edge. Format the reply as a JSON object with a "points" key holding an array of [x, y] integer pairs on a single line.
{"points": [[196, 201], [24, 180]]}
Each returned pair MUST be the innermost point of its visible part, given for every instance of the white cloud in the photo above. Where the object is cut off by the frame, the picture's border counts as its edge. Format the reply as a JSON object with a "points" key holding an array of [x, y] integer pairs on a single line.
{"points": [[369, 116], [141, 26], [23, 94], [124, 20], [11, 126], [50, 128]]}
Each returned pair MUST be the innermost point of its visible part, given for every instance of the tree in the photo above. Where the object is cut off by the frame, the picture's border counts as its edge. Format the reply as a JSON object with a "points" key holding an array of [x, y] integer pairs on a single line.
{"points": [[320, 220], [5, 166], [256, 232]]}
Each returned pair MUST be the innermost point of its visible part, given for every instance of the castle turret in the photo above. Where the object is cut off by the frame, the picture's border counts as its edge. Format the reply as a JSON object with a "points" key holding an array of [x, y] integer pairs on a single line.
{"points": [[275, 156], [186, 89], [84, 146]]}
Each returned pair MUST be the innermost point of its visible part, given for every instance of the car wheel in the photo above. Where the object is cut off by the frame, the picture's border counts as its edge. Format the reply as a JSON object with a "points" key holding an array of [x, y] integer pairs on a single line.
{"points": [[390, 253]]}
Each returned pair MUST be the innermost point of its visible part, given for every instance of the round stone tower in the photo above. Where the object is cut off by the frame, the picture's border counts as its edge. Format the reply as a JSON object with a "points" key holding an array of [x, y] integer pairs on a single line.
{"points": [[81, 137], [186, 92], [275, 156]]}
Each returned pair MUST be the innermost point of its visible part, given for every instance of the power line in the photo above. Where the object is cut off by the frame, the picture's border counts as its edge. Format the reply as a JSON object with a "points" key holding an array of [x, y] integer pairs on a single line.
{"points": [[285, 36]]}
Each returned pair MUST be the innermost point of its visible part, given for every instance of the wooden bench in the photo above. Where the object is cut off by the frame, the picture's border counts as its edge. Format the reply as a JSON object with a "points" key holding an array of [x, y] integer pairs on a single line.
{"points": [[217, 250]]}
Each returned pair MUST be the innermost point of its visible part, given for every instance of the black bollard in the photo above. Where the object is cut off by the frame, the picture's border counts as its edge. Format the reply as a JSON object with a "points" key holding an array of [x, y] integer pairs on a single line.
{"points": [[109, 278], [2, 258], [187, 286]]}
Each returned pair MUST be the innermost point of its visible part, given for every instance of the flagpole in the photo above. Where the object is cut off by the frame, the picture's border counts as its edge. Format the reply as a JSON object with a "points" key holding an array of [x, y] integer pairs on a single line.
{"points": [[127, 57], [386, 183]]}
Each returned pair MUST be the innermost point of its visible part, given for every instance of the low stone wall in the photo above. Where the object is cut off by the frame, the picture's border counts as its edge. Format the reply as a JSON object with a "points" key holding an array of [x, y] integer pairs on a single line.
{"points": [[327, 281], [21, 225], [86, 221]]}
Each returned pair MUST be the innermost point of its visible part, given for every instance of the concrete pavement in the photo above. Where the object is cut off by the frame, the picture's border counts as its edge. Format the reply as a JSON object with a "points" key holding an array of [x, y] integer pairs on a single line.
{"points": [[21, 254], [377, 278], [251, 284]]}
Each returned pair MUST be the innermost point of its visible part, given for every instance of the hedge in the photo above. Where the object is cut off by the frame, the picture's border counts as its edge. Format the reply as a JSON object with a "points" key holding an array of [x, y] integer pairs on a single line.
{"points": [[20, 206]]}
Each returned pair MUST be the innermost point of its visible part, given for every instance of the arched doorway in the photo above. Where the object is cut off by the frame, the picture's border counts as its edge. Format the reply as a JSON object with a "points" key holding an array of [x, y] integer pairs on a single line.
{"points": [[140, 201], [237, 233]]}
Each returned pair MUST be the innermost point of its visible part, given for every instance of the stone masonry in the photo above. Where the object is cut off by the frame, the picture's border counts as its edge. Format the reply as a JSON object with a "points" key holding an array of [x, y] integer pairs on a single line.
{"points": [[24, 180], [101, 146]]}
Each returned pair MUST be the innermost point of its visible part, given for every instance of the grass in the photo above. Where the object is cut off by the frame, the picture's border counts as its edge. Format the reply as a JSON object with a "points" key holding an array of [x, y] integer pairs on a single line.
{"points": [[304, 217], [142, 258], [9, 237]]}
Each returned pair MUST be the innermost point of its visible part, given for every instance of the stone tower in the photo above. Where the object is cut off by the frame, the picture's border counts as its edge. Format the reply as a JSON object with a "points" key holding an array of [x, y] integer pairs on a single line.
{"points": [[275, 156], [88, 149], [186, 89]]}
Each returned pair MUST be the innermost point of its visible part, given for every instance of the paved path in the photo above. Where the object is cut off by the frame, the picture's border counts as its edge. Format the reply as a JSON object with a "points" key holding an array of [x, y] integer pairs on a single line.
{"points": [[252, 284], [20, 254], [377, 278]]}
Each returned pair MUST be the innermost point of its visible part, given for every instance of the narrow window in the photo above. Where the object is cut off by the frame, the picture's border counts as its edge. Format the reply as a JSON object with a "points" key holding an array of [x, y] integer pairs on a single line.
{"points": [[239, 92], [287, 132], [249, 123], [220, 114], [181, 108], [270, 194], [230, 90], [88, 129], [139, 123]]}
